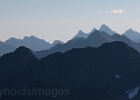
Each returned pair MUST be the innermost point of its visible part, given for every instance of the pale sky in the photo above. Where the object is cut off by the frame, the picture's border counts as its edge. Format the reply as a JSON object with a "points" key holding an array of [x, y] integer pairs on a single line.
{"points": [[62, 19]]}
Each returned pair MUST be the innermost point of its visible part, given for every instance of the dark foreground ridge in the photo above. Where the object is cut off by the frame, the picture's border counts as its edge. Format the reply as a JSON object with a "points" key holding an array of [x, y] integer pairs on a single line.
{"points": [[12, 63], [109, 72]]}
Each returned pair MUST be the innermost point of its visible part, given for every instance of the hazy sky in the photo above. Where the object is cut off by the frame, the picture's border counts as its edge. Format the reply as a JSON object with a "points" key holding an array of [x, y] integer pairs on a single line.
{"points": [[62, 19]]}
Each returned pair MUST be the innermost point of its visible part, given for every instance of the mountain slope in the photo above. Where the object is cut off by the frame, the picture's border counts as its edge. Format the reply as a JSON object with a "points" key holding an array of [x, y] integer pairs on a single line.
{"points": [[97, 38], [129, 42], [137, 40], [5, 48], [80, 66]]}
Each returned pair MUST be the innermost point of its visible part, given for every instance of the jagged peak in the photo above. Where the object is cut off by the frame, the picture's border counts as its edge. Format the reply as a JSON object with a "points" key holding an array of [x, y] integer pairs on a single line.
{"points": [[57, 42], [80, 31], [96, 32], [107, 29], [92, 30]]}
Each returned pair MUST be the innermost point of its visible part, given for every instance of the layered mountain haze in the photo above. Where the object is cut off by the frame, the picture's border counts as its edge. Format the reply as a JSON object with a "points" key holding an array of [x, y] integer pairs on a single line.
{"points": [[95, 39], [82, 71], [56, 42], [32, 42], [6, 48], [69, 50], [103, 28], [129, 42], [130, 33], [99, 65]]}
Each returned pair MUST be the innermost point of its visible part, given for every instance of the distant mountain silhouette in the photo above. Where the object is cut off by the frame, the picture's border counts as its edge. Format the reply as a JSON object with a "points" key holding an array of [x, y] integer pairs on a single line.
{"points": [[98, 38], [94, 29], [95, 39], [56, 42], [105, 28], [87, 72], [82, 34], [131, 34], [31, 42], [6, 48]]}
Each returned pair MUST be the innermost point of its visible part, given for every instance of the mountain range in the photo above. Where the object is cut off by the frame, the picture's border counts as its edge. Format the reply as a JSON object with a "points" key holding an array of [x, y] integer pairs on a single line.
{"points": [[103, 28], [95, 39], [32, 42], [41, 45], [99, 65], [130, 33], [108, 72], [82, 34]]}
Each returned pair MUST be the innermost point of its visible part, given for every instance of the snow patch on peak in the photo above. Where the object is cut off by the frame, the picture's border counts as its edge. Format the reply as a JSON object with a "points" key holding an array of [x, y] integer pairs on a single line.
{"points": [[132, 93], [118, 76]]}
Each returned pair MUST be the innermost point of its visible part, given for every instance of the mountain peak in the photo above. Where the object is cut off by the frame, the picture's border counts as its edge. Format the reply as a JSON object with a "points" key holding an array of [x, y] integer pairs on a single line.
{"points": [[105, 28], [94, 29], [23, 51], [104, 25], [96, 32], [130, 30], [100, 36], [81, 34], [56, 42], [133, 35], [24, 55], [80, 31]]}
